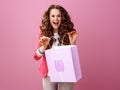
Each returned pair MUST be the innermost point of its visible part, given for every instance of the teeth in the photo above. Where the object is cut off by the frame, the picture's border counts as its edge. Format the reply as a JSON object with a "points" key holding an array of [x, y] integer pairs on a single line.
{"points": [[56, 23]]}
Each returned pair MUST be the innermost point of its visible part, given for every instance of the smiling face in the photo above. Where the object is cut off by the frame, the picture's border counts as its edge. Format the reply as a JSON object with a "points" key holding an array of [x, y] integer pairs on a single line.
{"points": [[55, 19]]}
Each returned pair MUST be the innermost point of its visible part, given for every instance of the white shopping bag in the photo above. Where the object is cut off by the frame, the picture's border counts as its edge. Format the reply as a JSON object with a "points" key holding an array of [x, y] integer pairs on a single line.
{"points": [[63, 63]]}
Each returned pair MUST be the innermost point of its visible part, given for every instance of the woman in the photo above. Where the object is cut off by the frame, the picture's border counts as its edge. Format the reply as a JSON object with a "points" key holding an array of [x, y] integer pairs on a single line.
{"points": [[56, 30]]}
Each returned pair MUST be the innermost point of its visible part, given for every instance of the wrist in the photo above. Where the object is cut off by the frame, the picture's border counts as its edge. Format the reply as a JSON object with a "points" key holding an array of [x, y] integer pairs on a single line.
{"points": [[42, 48], [72, 43], [39, 52]]}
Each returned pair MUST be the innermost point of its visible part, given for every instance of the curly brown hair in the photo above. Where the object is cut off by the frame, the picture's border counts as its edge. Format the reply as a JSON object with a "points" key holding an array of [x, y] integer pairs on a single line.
{"points": [[65, 26]]}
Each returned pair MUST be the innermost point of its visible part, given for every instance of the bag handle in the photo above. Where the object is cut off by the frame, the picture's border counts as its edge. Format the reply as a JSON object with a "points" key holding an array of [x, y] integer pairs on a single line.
{"points": [[62, 39]]}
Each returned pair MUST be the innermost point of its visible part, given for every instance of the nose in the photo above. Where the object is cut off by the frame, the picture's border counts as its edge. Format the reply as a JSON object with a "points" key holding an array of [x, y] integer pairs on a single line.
{"points": [[56, 18]]}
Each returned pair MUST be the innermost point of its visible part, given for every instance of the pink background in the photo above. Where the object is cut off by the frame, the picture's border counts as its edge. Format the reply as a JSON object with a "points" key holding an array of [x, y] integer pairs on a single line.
{"points": [[98, 24]]}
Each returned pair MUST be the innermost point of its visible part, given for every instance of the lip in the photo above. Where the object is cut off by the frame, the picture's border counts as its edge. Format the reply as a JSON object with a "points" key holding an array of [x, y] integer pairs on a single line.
{"points": [[56, 23]]}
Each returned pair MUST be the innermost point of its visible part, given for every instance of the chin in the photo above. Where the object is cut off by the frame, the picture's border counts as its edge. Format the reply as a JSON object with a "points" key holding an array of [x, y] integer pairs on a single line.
{"points": [[55, 27]]}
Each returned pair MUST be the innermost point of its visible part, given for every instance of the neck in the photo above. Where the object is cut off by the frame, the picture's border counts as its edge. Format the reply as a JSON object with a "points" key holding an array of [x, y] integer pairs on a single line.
{"points": [[55, 30]]}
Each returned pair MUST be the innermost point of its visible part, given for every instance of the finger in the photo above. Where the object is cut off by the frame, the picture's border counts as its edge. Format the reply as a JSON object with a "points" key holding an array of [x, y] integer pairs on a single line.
{"points": [[40, 41], [69, 35], [47, 39], [73, 32], [44, 38]]}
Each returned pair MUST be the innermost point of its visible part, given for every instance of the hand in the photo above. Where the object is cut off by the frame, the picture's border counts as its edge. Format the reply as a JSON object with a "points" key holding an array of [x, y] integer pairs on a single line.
{"points": [[72, 37], [44, 41]]}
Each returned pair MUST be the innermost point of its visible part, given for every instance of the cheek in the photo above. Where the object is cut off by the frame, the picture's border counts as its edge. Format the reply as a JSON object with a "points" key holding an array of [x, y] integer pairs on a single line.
{"points": [[50, 17], [51, 20], [60, 19]]}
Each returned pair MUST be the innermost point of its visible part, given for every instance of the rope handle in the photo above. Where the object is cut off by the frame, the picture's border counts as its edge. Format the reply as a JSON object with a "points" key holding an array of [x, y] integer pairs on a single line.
{"points": [[62, 39]]}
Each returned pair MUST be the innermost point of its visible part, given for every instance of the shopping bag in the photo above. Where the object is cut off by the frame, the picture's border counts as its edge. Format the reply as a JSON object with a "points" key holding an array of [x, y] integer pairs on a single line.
{"points": [[63, 63]]}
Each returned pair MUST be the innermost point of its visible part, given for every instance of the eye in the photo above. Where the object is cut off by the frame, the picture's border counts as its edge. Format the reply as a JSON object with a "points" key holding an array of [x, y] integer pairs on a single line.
{"points": [[52, 15], [59, 15]]}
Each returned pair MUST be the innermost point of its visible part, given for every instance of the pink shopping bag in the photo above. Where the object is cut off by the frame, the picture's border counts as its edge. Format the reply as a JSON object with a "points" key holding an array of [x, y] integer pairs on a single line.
{"points": [[63, 64]]}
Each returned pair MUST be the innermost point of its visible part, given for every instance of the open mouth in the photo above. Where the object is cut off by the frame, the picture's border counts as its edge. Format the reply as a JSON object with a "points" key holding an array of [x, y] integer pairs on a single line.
{"points": [[56, 23]]}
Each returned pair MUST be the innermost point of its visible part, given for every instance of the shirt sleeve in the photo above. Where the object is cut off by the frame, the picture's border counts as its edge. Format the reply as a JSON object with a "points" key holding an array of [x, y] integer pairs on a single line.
{"points": [[36, 55]]}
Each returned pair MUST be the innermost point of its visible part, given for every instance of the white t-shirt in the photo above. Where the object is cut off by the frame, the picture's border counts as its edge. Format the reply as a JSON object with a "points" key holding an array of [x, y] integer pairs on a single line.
{"points": [[56, 41]]}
